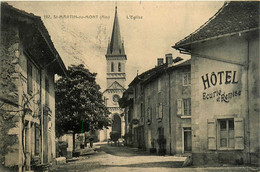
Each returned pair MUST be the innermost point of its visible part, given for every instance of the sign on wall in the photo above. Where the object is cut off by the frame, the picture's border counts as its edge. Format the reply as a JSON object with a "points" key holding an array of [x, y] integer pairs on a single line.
{"points": [[224, 78]]}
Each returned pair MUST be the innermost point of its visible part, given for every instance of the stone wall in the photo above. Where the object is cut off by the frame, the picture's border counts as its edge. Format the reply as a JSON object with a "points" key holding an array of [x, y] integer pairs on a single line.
{"points": [[9, 90]]}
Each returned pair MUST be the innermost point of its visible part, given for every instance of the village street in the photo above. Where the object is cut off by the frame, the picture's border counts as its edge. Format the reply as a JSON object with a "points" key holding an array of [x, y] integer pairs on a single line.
{"points": [[112, 158]]}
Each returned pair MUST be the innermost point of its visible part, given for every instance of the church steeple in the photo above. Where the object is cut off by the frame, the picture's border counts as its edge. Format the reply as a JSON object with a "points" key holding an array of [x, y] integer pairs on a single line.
{"points": [[116, 57], [115, 47]]}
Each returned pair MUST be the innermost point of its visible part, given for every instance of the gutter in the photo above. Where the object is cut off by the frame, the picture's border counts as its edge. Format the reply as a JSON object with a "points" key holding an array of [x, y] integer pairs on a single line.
{"points": [[213, 58], [178, 47]]}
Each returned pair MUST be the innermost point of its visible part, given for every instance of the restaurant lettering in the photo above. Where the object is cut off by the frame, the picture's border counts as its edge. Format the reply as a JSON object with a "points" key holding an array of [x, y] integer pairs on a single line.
{"points": [[219, 78]]}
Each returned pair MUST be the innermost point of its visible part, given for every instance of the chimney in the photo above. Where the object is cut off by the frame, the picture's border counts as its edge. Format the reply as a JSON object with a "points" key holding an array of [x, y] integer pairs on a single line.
{"points": [[159, 61], [168, 58]]}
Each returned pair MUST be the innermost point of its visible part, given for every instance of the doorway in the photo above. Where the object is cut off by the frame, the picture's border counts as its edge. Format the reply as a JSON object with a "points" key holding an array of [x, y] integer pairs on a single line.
{"points": [[116, 125], [187, 139]]}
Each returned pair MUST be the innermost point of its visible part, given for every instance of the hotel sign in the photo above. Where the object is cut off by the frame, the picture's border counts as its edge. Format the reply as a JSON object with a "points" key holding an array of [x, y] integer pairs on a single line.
{"points": [[220, 78]]}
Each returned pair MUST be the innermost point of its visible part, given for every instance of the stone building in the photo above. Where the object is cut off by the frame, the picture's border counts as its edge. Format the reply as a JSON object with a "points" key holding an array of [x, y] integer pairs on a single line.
{"points": [[116, 77], [225, 85], [126, 102], [28, 64], [160, 111]]}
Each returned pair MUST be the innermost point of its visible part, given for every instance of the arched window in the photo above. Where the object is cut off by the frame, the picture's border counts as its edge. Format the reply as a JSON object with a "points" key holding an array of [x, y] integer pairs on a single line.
{"points": [[112, 67], [119, 67]]}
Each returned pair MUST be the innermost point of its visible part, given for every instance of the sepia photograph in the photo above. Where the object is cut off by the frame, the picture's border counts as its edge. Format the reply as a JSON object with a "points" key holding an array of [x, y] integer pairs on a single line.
{"points": [[108, 86]]}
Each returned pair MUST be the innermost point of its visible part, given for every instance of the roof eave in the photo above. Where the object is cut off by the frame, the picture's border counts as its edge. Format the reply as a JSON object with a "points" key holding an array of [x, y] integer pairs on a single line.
{"points": [[187, 47], [43, 31]]}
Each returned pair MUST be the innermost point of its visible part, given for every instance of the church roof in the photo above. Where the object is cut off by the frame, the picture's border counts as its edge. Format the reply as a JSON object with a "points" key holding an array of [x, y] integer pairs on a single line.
{"points": [[116, 47], [115, 86]]}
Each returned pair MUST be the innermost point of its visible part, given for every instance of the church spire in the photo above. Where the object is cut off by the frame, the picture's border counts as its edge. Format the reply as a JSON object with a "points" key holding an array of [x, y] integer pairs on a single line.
{"points": [[115, 47]]}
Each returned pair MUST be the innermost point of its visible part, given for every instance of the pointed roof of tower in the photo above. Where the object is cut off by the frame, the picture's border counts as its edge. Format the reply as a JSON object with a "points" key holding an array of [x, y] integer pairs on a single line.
{"points": [[116, 47]]}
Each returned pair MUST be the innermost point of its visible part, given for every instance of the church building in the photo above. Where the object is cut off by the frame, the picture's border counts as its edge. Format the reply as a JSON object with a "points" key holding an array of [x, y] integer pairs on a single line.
{"points": [[116, 77]]}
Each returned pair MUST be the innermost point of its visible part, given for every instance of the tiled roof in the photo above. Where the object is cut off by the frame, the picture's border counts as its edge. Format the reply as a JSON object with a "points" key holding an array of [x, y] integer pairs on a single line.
{"points": [[157, 71], [232, 18], [176, 66], [147, 73]]}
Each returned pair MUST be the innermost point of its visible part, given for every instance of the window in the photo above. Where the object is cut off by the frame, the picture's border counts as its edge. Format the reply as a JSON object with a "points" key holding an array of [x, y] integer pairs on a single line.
{"points": [[112, 67], [225, 134], [187, 107], [148, 90], [187, 79], [116, 98], [136, 91], [141, 109], [46, 92], [29, 78], [149, 115], [37, 140], [130, 115], [159, 85], [119, 67], [184, 107]]}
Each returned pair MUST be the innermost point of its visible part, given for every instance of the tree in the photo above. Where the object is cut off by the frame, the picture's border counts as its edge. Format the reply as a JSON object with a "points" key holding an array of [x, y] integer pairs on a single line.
{"points": [[79, 103]]}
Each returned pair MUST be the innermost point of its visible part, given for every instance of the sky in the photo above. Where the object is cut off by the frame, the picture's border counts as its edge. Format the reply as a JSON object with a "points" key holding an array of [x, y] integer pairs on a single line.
{"points": [[148, 29]]}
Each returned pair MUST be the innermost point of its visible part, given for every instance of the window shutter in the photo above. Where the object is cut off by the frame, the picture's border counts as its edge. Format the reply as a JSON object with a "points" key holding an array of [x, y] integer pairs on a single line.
{"points": [[149, 114], [239, 133], [160, 110], [211, 128], [156, 111], [29, 78], [179, 107]]}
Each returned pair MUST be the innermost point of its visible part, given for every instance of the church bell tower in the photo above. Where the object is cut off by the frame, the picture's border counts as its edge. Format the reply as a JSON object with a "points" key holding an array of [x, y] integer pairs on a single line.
{"points": [[116, 77], [116, 57]]}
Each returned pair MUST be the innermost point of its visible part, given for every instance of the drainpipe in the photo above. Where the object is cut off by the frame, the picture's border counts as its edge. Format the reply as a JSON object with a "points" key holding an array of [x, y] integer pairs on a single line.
{"points": [[248, 116], [41, 122], [170, 129]]}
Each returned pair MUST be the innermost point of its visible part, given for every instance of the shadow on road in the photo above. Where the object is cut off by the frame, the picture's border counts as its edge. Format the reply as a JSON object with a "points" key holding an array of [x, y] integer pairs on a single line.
{"points": [[164, 164], [92, 165]]}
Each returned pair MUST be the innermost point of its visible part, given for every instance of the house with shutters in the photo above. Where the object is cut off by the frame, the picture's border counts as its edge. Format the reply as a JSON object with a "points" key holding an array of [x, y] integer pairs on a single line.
{"points": [[29, 62], [159, 113], [225, 85]]}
